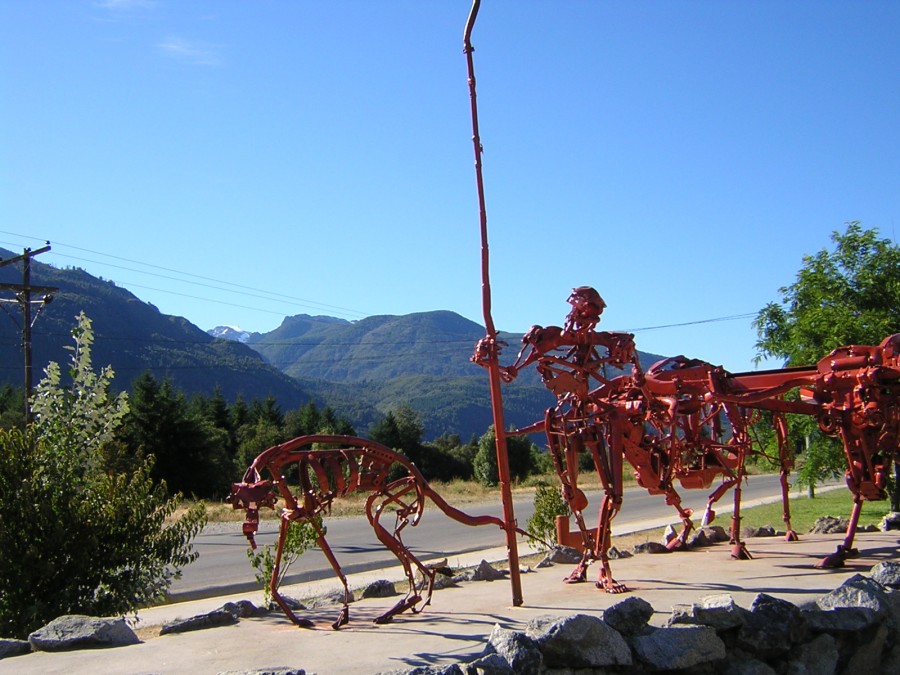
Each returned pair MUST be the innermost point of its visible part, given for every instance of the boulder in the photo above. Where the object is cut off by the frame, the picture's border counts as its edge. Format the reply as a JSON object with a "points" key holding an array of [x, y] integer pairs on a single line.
{"points": [[381, 588], [242, 609], [650, 547], [830, 525], [485, 572], [817, 657], [771, 627], [452, 669], [867, 655], [857, 591], [840, 620], [715, 533], [578, 641], [887, 573], [629, 616], [742, 663], [74, 631], [489, 664], [891, 521], [517, 649], [698, 540], [10, 647], [563, 554], [678, 647], [615, 554], [719, 612], [213, 619]]}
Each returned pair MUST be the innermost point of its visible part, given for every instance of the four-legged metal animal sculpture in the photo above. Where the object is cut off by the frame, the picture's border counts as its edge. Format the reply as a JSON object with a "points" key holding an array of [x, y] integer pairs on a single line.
{"points": [[310, 472]]}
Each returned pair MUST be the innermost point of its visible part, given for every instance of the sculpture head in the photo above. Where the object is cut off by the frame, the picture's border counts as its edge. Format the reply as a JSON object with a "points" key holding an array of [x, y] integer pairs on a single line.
{"points": [[250, 496], [587, 306]]}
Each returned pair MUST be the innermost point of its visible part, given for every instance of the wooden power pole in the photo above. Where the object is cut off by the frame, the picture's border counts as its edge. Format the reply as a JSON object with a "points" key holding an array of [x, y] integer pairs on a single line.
{"points": [[23, 293]]}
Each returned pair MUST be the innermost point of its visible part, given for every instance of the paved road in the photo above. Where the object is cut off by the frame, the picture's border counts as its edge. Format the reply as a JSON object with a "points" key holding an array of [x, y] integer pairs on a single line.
{"points": [[223, 567]]}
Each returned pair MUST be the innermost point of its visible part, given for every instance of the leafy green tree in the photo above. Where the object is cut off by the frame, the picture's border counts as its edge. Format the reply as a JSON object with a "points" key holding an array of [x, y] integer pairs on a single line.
{"points": [[79, 536], [848, 295], [254, 438], [519, 452], [303, 421]]}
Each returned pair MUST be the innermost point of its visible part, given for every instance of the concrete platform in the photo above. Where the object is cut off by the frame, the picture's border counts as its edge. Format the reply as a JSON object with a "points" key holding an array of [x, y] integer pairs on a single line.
{"points": [[454, 628]]}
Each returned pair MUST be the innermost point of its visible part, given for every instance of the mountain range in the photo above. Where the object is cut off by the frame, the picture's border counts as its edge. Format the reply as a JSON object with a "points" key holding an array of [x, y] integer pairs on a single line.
{"points": [[362, 369]]}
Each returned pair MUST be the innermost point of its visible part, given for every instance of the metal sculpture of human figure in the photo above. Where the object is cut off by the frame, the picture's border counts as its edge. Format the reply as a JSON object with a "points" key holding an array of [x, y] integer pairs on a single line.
{"points": [[573, 362]]}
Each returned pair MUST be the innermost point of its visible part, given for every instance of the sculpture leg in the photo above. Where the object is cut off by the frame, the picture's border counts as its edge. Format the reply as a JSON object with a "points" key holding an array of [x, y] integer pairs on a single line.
{"points": [[276, 573], [786, 459], [605, 579], [790, 535], [609, 465], [344, 616], [687, 525], [845, 550], [709, 515], [738, 548], [395, 545], [567, 471]]}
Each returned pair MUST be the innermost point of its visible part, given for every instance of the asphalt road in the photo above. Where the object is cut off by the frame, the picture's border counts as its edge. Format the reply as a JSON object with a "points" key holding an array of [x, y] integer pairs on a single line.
{"points": [[223, 567]]}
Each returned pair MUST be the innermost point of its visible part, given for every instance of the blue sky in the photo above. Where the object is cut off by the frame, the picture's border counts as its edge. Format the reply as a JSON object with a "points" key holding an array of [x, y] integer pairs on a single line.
{"points": [[236, 162]]}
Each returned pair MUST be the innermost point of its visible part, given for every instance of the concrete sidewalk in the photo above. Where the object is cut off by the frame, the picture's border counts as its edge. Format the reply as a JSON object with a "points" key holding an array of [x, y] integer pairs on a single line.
{"points": [[455, 627]]}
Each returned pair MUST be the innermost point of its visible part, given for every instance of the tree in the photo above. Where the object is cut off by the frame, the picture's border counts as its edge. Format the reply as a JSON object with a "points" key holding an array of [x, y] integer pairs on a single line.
{"points": [[519, 450], [79, 536], [401, 430], [849, 295], [191, 455]]}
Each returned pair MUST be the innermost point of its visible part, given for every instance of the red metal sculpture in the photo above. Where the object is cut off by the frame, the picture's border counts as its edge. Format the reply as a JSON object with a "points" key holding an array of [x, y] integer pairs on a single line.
{"points": [[686, 420], [310, 472]]}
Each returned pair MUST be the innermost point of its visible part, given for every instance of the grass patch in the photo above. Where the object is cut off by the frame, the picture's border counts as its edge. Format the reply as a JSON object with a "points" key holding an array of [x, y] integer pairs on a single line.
{"points": [[805, 511]]}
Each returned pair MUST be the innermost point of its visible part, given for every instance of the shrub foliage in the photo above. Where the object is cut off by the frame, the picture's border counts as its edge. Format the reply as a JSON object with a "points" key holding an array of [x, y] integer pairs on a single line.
{"points": [[80, 535]]}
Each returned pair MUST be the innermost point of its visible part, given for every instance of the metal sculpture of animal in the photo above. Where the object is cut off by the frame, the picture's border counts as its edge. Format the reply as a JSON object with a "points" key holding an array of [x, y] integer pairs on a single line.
{"points": [[686, 420], [329, 467]]}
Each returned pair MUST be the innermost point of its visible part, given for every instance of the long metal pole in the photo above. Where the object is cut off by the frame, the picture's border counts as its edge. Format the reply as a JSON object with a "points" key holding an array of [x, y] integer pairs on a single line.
{"points": [[490, 340]]}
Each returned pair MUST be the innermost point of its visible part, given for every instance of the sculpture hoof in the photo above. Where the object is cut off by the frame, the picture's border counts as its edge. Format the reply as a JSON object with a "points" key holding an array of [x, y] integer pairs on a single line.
{"points": [[837, 558], [612, 587], [740, 552], [791, 536], [342, 619]]}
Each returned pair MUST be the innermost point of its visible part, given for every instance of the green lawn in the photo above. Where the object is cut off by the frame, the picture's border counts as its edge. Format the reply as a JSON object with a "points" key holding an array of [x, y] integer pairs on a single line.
{"points": [[805, 511]]}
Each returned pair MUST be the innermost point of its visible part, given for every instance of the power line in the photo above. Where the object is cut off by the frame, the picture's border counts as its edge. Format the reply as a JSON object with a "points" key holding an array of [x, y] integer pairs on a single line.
{"points": [[268, 295], [733, 317], [279, 297]]}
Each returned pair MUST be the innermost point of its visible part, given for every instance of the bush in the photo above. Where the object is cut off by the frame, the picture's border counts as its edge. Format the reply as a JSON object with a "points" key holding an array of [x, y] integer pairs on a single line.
{"points": [[79, 536], [548, 503], [301, 536]]}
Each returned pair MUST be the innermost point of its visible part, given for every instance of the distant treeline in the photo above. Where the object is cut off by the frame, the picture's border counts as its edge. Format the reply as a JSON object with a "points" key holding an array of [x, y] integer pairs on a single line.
{"points": [[202, 444]]}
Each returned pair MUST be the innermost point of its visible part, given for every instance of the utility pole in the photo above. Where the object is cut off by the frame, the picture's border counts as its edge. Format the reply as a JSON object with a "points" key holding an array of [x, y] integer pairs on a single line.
{"points": [[23, 298]]}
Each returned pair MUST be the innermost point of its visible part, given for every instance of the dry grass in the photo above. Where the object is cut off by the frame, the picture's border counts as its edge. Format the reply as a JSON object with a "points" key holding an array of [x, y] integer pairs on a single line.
{"points": [[457, 492]]}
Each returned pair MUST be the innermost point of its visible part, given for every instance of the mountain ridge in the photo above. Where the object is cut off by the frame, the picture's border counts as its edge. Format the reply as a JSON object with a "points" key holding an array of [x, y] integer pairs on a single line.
{"points": [[361, 369]]}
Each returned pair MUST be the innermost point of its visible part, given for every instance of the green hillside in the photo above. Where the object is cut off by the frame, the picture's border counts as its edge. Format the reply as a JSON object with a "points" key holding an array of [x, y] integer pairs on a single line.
{"points": [[362, 369], [133, 336]]}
